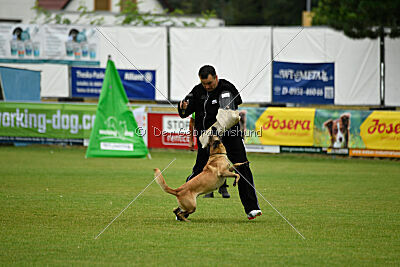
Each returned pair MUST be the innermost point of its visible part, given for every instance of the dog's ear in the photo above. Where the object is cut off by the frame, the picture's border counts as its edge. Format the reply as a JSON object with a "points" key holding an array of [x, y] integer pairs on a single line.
{"points": [[328, 124], [345, 118], [209, 139]]}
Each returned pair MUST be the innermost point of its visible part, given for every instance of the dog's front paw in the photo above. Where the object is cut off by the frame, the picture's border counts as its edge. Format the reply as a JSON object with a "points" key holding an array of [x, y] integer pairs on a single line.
{"points": [[236, 180]]}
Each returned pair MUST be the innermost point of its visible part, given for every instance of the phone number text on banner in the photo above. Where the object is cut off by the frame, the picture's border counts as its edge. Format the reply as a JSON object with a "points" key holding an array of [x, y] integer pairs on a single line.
{"points": [[309, 83], [87, 82]]}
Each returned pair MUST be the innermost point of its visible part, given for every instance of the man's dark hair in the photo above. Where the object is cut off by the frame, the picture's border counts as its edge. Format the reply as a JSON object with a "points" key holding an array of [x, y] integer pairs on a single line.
{"points": [[205, 71]]}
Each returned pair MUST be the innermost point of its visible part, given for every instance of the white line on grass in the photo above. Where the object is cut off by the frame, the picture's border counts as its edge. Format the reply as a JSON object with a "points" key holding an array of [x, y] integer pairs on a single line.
{"points": [[134, 199], [272, 206]]}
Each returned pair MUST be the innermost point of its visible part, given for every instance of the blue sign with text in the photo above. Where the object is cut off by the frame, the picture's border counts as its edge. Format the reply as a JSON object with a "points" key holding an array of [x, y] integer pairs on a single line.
{"points": [[87, 82], [306, 83]]}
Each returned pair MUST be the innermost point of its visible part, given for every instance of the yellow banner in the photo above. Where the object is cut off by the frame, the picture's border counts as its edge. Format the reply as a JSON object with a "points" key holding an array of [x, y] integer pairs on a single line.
{"points": [[286, 126], [381, 130]]}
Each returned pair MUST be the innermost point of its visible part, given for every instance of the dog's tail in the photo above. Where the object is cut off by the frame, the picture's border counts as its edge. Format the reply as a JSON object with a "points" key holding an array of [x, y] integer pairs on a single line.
{"points": [[161, 182]]}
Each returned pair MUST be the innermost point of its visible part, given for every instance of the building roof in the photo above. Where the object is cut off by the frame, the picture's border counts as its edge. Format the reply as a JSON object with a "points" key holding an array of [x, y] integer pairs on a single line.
{"points": [[53, 4]]}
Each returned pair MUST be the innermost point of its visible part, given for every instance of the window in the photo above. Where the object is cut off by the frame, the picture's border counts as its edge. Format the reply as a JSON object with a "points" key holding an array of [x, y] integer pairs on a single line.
{"points": [[102, 5]]}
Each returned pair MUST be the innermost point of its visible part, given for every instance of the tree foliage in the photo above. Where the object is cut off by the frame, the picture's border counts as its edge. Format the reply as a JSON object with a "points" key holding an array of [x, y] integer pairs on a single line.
{"points": [[360, 18], [248, 12], [46, 17]]}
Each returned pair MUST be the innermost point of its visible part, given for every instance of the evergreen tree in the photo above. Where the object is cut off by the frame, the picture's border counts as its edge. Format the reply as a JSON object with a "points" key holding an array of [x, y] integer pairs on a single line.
{"points": [[360, 18], [247, 12]]}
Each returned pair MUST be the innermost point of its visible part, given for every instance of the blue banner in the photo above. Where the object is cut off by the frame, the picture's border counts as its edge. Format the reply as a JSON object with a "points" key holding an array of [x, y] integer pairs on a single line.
{"points": [[306, 83], [20, 84], [87, 82]]}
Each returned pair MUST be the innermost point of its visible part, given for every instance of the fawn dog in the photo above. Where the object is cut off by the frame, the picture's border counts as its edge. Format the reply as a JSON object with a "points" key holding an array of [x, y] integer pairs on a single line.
{"points": [[211, 178]]}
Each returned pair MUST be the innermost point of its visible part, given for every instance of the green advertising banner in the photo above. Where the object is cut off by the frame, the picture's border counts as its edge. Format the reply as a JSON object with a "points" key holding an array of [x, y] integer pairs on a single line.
{"points": [[248, 119], [45, 122], [115, 132]]}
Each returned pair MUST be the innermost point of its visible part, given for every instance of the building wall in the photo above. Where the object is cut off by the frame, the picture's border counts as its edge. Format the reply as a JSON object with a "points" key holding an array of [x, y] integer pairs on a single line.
{"points": [[144, 6], [16, 10], [22, 9]]}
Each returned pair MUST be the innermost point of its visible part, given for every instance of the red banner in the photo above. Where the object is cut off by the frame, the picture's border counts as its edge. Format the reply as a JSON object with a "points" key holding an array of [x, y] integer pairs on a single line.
{"points": [[168, 131]]}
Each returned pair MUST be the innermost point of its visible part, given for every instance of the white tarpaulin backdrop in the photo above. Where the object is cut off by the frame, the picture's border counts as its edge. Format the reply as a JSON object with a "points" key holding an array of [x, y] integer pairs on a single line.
{"points": [[356, 61], [143, 48], [237, 53], [392, 79]]}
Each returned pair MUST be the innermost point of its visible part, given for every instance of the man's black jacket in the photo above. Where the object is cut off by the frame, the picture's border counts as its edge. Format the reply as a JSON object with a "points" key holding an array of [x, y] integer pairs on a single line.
{"points": [[206, 104]]}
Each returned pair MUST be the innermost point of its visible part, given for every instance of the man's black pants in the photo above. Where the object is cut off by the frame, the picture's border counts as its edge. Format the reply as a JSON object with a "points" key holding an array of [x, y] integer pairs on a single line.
{"points": [[236, 153]]}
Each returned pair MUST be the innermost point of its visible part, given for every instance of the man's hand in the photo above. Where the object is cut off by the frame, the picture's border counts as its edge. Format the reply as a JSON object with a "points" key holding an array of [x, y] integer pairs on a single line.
{"points": [[191, 145], [226, 118], [183, 105]]}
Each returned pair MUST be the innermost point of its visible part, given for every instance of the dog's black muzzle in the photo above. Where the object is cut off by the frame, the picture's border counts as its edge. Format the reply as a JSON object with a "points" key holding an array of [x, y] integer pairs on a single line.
{"points": [[216, 143]]}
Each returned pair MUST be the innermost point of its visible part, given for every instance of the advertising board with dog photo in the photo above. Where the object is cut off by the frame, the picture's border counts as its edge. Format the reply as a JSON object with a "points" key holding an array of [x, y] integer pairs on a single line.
{"points": [[336, 129], [357, 129]]}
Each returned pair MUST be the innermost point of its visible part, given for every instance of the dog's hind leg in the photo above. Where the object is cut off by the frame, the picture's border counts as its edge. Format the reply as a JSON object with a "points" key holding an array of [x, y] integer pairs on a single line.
{"points": [[180, 215], [183, 215], [177, 210], [187, 206]]}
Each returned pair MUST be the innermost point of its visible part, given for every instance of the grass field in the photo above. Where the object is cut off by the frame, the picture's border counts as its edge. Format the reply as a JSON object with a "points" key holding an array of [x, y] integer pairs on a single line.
{"points": [[54, 202]]}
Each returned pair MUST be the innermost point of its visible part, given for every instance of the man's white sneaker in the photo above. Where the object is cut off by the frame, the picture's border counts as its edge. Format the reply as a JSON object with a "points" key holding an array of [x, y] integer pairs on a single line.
{"points": [[253, 214]]}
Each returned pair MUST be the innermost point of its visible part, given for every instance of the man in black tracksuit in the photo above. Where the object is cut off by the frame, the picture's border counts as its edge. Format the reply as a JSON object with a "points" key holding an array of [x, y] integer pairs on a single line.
{"points": [[205, 99]]}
